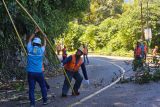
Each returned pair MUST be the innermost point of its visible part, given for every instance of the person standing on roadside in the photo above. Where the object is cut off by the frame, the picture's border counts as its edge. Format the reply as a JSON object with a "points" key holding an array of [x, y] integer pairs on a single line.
{"points": [[85, 54], [35, 56], [137, 56], [64, 53]]}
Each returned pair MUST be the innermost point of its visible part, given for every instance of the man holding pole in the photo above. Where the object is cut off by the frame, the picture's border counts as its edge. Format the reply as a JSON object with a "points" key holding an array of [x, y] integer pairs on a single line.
{"points": [[34, 67], [71, 66]]}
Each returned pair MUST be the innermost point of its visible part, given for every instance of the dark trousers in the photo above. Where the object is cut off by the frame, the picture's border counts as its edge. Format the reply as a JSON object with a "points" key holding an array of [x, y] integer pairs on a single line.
{"points": [[138, 62], [32, 79], [78, 80], [85, 56]]}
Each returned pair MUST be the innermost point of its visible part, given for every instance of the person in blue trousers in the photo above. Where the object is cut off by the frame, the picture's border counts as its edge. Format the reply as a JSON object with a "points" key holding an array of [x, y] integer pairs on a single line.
{"points": [[34, 67]]}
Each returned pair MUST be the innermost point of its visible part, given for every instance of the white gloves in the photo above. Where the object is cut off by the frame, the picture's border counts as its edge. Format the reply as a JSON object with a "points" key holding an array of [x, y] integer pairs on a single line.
{"points": [[87, 82]]}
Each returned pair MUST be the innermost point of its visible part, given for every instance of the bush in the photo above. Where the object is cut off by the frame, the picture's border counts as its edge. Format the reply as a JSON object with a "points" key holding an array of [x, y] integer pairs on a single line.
{"points": [[143, 77], [156, 75]]}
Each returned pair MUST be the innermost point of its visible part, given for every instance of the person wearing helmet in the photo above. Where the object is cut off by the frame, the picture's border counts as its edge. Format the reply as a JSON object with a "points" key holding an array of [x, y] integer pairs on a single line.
{"points": [[35, 56], [71, 66]]}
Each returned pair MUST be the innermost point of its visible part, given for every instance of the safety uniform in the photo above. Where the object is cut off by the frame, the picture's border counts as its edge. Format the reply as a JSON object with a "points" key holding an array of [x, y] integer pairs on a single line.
{"points": [[34, 70], [138, 51], [72, 65], [138, 58]]}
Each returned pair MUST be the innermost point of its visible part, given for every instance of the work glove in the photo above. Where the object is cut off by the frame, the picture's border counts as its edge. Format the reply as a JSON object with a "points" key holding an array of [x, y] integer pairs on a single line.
{"points": [[87, 82]]}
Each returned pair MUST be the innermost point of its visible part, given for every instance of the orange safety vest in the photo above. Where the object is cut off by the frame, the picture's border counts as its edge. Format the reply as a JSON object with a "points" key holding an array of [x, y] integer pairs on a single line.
{"points": [[138, 51], [85, 51], [72, 66]]}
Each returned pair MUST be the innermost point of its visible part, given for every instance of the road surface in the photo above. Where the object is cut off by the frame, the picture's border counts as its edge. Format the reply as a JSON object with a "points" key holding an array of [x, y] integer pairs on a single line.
{"points": [[100, 93]]}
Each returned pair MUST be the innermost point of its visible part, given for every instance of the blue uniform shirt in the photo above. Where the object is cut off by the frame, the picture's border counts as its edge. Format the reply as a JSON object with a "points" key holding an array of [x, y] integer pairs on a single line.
{"points": [[35, 58]]}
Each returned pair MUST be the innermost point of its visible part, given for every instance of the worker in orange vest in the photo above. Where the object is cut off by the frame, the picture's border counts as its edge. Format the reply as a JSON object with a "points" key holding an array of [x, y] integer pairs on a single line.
{"points": [[85, 54], [137, 51], [71, 66], [64, 53], [137, 56]]}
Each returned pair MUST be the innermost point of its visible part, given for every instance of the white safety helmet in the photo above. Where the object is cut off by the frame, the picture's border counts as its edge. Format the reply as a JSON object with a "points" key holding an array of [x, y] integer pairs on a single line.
{"points": [[37, 40], [81, 49]]}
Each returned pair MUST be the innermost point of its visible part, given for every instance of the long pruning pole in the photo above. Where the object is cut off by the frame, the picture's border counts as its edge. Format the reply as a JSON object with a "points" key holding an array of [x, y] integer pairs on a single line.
{"points": [[47, 41], [14, 28]]}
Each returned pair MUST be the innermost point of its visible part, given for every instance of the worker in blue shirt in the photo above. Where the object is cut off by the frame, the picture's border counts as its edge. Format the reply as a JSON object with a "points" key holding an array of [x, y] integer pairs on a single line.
{"points": [[71, 66], [34, 67]]}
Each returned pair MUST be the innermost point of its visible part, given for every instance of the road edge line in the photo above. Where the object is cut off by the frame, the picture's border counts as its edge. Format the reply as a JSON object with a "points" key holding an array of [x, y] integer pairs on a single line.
{"points": [[101, 90]]}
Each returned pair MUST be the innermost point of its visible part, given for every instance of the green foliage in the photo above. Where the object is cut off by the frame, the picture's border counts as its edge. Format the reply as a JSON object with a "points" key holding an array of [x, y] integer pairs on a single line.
{"points": [[102, 9], [18, 86], [52, 16], [144, 77], [156, 75], [72, 36], [116, 31], [90, 34]]}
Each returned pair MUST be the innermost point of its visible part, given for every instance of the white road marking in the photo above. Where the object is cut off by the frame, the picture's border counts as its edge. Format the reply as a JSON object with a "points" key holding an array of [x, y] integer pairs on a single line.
{"points": [[101, 90]]}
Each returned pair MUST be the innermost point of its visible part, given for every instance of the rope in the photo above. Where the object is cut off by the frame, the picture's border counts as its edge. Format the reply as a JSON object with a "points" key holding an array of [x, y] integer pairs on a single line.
{"points": [[15, 28], [47, 41]]}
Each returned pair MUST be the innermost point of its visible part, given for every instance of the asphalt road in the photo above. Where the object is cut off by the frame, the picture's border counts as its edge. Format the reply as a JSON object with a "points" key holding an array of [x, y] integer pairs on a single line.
{"points": [[101, 72]]}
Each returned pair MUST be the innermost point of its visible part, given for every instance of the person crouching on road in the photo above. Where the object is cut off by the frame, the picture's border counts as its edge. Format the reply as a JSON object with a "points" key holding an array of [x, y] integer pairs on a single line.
{"points": [[71, 66], [34, 67]]}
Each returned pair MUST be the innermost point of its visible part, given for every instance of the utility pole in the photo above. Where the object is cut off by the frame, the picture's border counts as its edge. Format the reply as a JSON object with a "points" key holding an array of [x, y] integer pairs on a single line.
{"points": [[142, 34]]}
